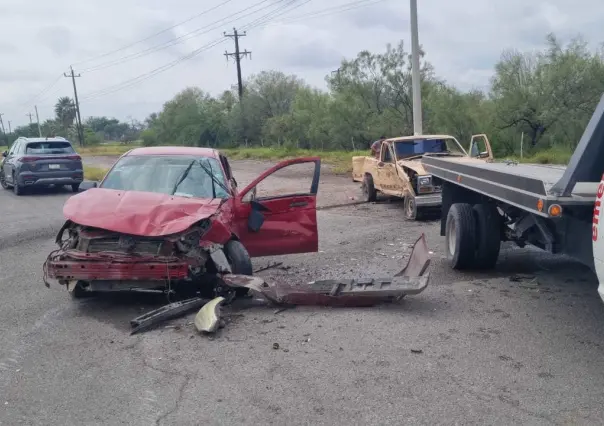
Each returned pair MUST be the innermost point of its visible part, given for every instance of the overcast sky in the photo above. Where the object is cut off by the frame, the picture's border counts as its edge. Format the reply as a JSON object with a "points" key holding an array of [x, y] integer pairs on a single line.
{"points": [[39, 40]]}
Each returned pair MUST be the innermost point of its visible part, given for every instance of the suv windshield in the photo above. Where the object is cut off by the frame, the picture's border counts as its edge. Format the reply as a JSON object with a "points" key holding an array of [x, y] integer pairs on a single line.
{"points": [[49, 147], [183, 176], [416, 147]]}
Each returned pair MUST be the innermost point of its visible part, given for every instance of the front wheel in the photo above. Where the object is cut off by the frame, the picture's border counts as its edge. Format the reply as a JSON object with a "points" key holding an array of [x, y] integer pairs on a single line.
{"points": [[240, 262], [3, 180], [410, 208]]}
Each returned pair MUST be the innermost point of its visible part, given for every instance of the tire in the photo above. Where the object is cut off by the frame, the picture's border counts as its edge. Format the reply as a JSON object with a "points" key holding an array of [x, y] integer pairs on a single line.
{"points": [[3, 180], [17, 189], [240, 262], [78, 292], [460, 236], [410, 209], [488, 235], [369, 189], [75, 187]]}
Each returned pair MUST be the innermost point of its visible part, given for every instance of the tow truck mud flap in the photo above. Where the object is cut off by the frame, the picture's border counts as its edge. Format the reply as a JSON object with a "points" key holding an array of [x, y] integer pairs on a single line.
{"points": [[411, 280]]}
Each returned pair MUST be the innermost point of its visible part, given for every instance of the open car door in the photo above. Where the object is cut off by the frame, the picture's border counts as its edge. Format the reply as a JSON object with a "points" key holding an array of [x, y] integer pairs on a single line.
{"points": [[480, 147], [280, 220]]}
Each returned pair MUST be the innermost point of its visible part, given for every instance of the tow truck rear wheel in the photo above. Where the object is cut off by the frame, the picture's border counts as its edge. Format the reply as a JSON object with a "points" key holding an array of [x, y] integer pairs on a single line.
{"points": [[240, 262], [369, 189], [488, 235], [460, 236]]}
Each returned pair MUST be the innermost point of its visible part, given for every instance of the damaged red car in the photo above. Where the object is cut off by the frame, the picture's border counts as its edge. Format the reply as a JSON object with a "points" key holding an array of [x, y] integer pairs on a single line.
{"points": [[171, 219]]}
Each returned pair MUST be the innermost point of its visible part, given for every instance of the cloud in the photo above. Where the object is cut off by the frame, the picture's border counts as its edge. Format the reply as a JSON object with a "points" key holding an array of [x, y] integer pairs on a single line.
{"points": [[462, 39]]}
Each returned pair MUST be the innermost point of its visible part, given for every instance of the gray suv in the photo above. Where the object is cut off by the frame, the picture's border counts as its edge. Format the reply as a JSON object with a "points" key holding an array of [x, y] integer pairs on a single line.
{"points": [[40, 162]]}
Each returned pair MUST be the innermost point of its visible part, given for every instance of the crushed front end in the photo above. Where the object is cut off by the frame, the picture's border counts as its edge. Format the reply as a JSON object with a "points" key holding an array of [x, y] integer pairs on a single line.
{"points": [[96, 260]]}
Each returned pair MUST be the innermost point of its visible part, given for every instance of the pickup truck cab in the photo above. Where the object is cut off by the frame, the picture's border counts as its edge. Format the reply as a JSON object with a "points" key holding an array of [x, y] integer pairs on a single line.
{"points": [[398, 171]]}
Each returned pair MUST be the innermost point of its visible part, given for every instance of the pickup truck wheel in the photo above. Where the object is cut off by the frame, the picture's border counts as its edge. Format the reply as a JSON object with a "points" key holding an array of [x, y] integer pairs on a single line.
{"points": [[368, 189], [240, 262], [488, 235], [461, 236], [410, 208]]}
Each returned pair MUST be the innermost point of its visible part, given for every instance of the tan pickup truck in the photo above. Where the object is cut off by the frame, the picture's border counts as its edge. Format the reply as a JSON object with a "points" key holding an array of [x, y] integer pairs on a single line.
{"points": [[398, 170]]}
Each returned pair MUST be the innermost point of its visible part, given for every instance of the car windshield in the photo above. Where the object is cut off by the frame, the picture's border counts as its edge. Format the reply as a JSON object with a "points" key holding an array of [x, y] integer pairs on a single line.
{"points": [[183, 176], [49, 147], [412, 148]]}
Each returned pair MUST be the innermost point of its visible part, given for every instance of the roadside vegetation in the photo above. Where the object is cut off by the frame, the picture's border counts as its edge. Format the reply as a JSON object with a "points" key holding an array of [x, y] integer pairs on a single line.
{"points": [[543, 99]]}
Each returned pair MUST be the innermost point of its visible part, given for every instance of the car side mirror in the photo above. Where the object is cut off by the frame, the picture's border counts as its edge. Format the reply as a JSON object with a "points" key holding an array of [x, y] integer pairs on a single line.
{"points": [[5, 153], [88, 184]]}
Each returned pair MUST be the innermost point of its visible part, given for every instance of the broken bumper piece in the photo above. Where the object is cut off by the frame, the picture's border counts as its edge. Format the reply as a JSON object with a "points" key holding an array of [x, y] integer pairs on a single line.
{"points": [[411, 280]]}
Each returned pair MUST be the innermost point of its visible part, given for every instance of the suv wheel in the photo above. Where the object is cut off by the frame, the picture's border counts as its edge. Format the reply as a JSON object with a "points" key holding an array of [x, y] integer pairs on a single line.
{"points": [[17, 189], [3, 180], [75, 187]]}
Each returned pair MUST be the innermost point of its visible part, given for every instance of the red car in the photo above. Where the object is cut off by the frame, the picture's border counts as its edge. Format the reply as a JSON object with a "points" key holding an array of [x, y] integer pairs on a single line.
{"points": [[171, 219]]}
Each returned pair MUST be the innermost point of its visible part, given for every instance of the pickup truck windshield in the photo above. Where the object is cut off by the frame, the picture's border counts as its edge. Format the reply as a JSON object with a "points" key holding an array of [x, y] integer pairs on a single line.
{"points": [[412, 148], [181, 176]]}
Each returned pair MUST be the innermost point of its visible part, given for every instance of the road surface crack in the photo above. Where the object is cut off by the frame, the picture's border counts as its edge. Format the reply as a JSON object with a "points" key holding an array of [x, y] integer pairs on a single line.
{"points": [[176, 406]]}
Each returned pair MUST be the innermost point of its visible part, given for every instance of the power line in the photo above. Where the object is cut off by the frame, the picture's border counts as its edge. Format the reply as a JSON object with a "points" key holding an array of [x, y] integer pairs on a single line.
{"points": [[146, 76], [191, 34], [329, 11], [153, 35], [44, 90], [254, 24]]}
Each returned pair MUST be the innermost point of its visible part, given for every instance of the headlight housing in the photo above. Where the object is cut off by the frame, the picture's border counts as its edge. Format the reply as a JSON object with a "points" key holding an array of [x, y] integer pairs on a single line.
{"points": [[425, 180]]}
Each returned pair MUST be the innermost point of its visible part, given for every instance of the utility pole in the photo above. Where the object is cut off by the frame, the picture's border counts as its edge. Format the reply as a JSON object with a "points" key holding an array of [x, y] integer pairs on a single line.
{"points": [[2, 123], [9, 129], [77, 104], [30, 115], [415, 75], [38, 120], [238, 55]]}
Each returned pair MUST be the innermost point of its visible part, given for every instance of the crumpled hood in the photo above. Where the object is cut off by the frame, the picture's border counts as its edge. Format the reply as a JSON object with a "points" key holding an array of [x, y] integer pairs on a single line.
{"points": [[415, 165], [137, 213]]}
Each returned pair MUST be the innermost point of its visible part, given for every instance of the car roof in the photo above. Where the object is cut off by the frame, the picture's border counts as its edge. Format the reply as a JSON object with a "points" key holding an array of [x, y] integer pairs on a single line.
{"points": [[415, 137], [53, 139], [175, 150]]}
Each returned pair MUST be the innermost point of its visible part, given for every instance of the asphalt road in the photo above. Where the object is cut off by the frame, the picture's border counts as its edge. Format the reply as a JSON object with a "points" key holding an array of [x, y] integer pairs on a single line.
{"points": [[493, 350]]}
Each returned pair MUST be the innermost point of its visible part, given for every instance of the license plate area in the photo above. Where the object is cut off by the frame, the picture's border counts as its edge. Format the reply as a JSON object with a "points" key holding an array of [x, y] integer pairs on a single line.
{"points": [[54, 166]]}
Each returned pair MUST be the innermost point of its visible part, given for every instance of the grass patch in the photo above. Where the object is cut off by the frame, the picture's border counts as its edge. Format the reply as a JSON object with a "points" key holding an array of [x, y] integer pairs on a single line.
{"points": [[111, 149], [340, 160], [94, 173]]}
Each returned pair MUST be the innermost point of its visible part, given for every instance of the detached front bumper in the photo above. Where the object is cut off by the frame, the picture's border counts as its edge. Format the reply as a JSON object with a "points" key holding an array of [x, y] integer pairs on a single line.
{"points": [[76, 266], [429, 200]]}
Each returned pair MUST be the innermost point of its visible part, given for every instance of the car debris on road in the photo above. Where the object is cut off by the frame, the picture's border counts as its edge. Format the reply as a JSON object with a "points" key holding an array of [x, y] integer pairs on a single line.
{"points": [[411, 280]]}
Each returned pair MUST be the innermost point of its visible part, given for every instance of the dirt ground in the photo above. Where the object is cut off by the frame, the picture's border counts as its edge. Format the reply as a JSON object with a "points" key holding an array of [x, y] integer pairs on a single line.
{"points": [[474, 348]]}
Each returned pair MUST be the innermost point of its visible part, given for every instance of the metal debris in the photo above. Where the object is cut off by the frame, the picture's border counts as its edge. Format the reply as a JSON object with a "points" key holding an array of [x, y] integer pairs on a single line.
{"points": [[274, 265], [172, 310], [208, 318], [412, 279]]}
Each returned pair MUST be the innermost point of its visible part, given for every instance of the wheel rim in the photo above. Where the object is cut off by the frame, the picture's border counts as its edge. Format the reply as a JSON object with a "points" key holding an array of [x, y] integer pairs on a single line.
{"points": [[452, 236], [364, 188], [410, 207]]}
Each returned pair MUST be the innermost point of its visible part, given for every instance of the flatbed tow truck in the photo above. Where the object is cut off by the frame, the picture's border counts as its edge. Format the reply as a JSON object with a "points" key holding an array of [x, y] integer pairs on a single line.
{"points": [[555, 208]]}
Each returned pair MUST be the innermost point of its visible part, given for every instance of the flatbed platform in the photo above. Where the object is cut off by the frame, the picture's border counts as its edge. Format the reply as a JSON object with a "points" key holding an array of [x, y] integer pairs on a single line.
{"points": [[522, 185]]}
